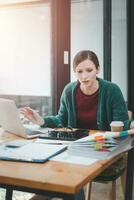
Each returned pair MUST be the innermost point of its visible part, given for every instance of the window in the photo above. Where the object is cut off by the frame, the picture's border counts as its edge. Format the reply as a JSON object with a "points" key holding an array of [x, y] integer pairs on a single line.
{"points": [[87, 28], [25, 62], [119, 45]]}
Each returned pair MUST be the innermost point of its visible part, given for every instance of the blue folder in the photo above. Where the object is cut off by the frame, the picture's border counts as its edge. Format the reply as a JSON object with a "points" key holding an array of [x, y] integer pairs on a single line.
{"points": [[32, 152]]}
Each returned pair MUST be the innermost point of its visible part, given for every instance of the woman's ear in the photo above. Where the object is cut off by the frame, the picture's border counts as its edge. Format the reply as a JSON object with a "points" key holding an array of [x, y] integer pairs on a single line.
{"points": [[98, 70]]}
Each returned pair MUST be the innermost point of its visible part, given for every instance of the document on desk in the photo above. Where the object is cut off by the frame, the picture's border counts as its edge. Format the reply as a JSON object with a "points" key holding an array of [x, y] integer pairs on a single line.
{"points": [[67, 158], [47, 141], [32, 152]]}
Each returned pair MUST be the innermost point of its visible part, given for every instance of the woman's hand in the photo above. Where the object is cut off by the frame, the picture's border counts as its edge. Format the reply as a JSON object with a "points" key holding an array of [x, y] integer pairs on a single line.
{"points": [[32, 115]]}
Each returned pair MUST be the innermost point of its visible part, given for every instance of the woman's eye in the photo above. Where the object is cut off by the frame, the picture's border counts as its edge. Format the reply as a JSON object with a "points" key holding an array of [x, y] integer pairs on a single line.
{"points": [[89, 70], [79, 72]]}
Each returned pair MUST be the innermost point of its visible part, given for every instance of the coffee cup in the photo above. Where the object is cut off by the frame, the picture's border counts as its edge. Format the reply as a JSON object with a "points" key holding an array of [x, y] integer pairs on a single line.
{"points": [[117, 126]]}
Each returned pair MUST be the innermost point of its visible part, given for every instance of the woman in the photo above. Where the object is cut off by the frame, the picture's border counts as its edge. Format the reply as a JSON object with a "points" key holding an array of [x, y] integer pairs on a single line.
{"points": [[90, 102]]}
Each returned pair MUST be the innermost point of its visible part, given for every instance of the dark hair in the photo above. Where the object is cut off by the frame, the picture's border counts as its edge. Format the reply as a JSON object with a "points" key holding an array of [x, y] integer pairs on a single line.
{"points": [[83, 55]]}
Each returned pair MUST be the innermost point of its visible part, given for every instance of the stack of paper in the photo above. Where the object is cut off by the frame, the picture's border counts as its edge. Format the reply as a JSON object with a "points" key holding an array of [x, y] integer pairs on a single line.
{"points": [[87, 147]]}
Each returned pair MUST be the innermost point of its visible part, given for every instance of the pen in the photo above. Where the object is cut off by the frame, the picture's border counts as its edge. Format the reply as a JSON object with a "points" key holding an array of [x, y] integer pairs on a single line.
{"points": [[53, 143]]}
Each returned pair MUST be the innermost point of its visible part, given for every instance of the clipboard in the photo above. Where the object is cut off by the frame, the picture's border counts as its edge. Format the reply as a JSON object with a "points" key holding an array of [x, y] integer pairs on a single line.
{"points": [[32, 152]]}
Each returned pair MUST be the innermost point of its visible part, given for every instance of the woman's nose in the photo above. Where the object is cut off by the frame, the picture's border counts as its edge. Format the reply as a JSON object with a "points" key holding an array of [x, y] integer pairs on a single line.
{"points": [[84, 75]]}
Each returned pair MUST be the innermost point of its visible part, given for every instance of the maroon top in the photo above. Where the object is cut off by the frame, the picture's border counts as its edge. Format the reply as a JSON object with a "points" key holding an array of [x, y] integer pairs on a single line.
{"points": [[86, 109]]}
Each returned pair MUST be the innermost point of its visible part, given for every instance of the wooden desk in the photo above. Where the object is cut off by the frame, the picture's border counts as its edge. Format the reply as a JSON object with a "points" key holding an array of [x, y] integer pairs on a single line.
{"points": [[55, 178]]}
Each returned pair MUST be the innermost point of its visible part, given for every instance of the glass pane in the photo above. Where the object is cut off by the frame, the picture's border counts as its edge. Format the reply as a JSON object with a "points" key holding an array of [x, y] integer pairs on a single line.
{"points": [[119, 45], [87, 28], [4, 2], [25, 55]]}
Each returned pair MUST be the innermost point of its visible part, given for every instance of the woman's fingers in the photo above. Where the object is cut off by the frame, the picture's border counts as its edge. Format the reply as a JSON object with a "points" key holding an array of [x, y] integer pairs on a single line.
{"points": [[26, 112], [32, 115]]}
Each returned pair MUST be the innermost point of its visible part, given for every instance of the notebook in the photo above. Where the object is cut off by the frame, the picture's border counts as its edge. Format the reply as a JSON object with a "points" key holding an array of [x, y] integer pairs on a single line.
{"points": [[11, 122], [32, 152]]}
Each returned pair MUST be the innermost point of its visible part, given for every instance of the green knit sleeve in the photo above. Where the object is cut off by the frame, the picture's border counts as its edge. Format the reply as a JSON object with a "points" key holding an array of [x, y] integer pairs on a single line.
{"points": [[61, 118], [119, 108]]}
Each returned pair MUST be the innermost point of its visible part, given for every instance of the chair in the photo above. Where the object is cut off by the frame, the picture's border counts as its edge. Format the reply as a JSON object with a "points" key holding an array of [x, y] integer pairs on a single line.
{"points": [[104, 177]]}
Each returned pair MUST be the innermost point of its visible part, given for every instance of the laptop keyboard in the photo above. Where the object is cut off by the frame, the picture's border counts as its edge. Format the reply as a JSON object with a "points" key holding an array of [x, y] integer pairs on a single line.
{"points": [[32, 132]]}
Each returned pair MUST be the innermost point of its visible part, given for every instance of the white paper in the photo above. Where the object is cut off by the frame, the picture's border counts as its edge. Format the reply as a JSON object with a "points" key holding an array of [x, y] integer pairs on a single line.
{"points": [[65, 157], [49, 141]]}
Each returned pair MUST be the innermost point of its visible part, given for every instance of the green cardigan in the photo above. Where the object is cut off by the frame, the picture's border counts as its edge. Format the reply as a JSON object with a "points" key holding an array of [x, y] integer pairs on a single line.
{"points": [[111, 107]]}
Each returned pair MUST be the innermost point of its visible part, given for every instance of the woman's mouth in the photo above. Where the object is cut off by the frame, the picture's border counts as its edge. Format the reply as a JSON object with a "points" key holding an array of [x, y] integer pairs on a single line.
{"points": [[85, 82]]}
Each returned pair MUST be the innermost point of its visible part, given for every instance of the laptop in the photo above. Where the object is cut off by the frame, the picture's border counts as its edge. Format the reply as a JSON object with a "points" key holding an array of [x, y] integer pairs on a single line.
{"points": [[11, 122]]}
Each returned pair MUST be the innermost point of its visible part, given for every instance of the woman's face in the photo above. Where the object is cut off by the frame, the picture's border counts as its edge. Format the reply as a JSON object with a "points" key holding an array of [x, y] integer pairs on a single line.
{"points": [[86, 73]]}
